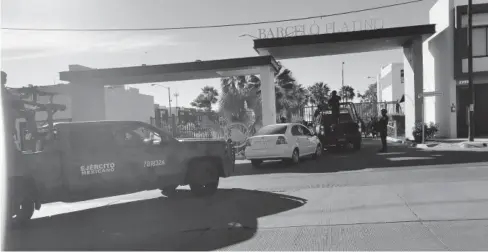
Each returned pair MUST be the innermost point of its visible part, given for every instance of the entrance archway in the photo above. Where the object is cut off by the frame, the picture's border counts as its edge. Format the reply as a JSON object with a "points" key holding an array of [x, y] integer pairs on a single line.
{"points": [[87, 85], [410, 38]]}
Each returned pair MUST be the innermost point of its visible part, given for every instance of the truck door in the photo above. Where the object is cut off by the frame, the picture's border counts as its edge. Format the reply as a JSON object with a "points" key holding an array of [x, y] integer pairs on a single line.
{"points": [[145, 154], [91, 161]]}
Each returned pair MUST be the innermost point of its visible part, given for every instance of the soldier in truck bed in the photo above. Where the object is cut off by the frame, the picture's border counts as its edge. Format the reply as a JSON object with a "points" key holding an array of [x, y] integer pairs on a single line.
{"points": [[334, 103]]}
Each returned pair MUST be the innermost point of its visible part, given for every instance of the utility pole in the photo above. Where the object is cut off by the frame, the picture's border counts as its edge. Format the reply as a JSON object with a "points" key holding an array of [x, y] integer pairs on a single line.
{"points": [[169, 99], [342, 86], [176, 94], [169, 96], [470, 72]]}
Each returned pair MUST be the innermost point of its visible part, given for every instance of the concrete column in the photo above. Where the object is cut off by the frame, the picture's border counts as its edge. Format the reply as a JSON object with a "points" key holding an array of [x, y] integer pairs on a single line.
{"points": [[414, 83], [87, 102], [439, 69], [268, 95]]}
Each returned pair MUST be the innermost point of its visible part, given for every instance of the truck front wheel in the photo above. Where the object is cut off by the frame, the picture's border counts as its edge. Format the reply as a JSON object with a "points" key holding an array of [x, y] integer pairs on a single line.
{"points": [[21, 211], [204, 177], [169, 191]]}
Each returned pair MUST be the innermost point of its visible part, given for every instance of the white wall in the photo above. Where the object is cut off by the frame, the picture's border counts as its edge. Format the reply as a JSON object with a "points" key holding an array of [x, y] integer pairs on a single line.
{"points": [[387, 94], [438, 71], [121, 104], [398, 88], [385, 83], [391, 86]]}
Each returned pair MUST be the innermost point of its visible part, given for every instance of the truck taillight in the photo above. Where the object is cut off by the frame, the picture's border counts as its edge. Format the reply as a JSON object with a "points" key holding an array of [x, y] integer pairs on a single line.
{"points": [[281, 140]]}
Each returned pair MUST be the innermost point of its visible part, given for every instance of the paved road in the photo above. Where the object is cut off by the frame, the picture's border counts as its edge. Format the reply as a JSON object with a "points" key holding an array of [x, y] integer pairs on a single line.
{"points": [[407, 199]]}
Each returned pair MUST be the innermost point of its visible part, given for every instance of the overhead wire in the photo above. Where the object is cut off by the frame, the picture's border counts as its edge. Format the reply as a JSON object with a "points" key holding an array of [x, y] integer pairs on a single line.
{"points": [[210, 26]]}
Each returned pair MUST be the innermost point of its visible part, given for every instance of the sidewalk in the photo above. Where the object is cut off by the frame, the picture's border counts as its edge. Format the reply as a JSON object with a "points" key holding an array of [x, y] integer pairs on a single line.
{"points": [[456, 143]]}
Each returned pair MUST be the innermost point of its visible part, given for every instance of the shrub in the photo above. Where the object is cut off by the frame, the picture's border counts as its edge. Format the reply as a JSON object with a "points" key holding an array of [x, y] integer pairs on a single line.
{"points": [[430, 131]]}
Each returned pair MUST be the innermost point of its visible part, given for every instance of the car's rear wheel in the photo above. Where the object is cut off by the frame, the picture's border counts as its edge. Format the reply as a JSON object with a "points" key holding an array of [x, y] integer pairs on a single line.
{"points": [[204, 178], [295, 157], [256, 163]]}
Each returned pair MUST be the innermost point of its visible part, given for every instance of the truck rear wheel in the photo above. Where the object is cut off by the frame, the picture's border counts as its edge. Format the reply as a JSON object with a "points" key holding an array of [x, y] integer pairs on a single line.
{"points": [[357, 145], [256, 163], [204, 178]]}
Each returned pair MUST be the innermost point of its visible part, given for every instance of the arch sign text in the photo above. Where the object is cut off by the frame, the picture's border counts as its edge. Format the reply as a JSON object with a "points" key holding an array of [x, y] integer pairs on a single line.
{"points": [[316, 28]]}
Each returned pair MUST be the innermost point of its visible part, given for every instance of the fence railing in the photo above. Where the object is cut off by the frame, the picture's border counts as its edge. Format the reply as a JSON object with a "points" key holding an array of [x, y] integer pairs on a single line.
{"points": [[365, 111]]}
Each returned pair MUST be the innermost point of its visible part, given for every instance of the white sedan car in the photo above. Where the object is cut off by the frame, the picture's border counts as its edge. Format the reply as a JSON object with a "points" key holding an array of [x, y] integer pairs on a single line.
{"points": [[286, 141]]}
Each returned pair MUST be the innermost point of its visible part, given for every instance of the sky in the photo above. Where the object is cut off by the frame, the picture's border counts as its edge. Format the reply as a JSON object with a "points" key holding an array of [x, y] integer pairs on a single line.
{"points": [[37, 57]]}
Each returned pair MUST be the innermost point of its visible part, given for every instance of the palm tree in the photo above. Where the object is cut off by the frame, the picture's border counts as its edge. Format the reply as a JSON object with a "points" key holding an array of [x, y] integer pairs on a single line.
{"points": [[319, 93], [232, 100], [206, 99], [347, 93], [239, 91]]}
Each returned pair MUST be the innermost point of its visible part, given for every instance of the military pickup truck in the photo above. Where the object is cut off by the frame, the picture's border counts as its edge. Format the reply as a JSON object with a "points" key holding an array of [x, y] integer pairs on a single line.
{"points": [[345, 132], [87, 160]]}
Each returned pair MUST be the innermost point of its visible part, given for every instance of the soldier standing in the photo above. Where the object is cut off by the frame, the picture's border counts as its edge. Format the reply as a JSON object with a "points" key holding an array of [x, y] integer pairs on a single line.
{"points": [[334, 103], [383, 129]]}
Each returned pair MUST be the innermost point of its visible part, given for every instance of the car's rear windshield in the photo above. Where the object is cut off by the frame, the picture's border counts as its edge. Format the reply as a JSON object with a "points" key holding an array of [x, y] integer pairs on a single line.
{"points": [[272, 130]]}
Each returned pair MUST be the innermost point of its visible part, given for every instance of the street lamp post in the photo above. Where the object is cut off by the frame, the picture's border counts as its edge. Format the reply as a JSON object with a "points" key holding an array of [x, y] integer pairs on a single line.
{"points": [[342, 75], [169, 96]]}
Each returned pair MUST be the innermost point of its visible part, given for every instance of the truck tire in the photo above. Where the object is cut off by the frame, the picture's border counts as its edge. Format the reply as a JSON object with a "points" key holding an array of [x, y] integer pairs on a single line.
{"points": [[206, 171], [21, 211], [169, 191], [256, 163], [357, 145]]}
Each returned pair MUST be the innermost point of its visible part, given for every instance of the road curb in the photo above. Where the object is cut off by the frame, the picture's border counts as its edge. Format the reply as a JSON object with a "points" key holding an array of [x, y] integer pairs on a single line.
{"points": [[471, 145]]}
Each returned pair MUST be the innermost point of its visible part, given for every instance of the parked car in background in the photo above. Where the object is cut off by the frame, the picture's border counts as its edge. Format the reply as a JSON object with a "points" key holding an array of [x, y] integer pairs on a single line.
{"points": [[286, 141]]}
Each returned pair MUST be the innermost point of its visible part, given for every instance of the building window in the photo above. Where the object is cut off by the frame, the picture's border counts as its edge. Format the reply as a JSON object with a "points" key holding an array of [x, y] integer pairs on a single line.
{"points": [[402, 76], [480, 42]]}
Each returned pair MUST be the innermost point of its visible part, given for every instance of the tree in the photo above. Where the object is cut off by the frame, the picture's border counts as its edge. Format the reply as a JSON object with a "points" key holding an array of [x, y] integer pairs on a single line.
{"points": [[370, 99], [347, 93], [241, 92], [319, 93], [370, 95], [291, 97], [233, 97], [206, 99]]}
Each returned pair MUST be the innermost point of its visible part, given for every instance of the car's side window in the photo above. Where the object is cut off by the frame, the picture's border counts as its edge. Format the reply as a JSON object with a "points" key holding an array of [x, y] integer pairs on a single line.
{"points": [[295, 131]]}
